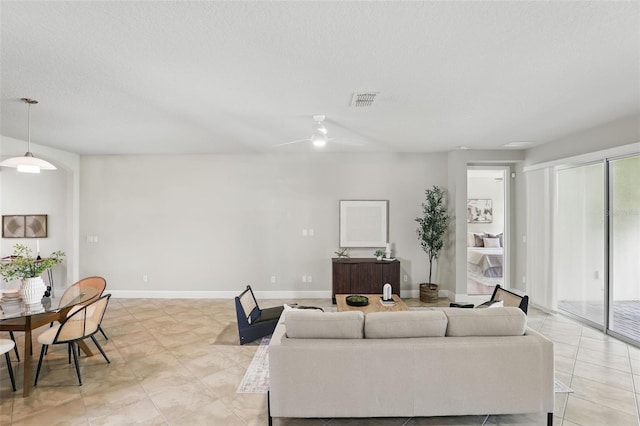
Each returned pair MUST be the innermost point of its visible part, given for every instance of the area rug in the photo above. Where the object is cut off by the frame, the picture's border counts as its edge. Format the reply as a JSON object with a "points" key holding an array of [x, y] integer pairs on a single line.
{"points": [[256, 379]]}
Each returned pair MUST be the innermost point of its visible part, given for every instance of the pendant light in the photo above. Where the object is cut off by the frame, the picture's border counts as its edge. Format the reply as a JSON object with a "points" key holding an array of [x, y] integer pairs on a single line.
{"points": [[28, 163]]}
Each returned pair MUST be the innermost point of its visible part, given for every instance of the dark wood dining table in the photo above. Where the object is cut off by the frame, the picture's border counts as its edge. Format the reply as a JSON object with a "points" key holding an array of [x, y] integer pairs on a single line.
{"points": [[18, 316]]}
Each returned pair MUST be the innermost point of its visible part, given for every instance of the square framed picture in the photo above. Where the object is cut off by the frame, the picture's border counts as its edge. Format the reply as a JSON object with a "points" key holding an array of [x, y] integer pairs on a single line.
{"points": [[364, 223], [13, 226], [35, 226], [479, 211]]}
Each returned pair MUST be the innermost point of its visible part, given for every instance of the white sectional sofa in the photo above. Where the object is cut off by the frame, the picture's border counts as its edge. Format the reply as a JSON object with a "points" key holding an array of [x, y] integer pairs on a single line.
{"points": [[440, 362]]}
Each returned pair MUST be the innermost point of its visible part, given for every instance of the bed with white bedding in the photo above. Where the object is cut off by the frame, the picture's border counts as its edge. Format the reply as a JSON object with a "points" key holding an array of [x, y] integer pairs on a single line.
{"points": [[487, 261]]}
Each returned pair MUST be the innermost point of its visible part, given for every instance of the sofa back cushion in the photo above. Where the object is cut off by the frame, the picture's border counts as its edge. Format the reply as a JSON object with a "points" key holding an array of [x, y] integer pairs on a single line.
{"points": [[313, 324], [389, 325], [507, 321]]}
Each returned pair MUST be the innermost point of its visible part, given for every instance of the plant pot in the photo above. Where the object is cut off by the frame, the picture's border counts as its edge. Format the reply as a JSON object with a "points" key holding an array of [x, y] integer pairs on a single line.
{"points": [[32, 290], [428, 292]]}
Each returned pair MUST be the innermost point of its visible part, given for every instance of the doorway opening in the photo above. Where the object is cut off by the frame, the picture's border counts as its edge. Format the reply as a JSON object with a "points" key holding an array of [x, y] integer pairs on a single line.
{"points": [[487, 230]]}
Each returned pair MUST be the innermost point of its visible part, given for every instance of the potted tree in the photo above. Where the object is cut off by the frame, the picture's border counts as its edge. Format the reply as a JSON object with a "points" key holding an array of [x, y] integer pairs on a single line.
{"points": [[432, 226], [23, 266]]}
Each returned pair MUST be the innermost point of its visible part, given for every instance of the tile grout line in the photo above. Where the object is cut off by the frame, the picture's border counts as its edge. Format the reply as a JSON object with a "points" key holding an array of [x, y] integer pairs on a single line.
{"points": [[633, 384], [575, 361]]}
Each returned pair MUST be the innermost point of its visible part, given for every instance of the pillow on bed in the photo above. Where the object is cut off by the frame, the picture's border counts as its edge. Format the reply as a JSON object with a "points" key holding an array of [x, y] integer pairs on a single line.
{"points": [[479, 238], [471, 240], [491, 242], [498, 236]]}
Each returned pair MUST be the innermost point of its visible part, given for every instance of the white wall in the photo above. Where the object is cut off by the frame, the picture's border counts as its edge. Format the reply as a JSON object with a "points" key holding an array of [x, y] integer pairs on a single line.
{"points": [[210, 224], [617, 133]]}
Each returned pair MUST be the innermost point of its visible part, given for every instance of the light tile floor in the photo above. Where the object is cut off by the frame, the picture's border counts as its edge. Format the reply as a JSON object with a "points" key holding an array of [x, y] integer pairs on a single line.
{"points": [[177, 362]]}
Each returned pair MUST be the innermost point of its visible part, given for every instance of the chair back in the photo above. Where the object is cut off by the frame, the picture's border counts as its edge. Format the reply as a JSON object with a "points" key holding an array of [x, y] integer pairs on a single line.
{"points": [[248, 304], [83, 322], [511, 298], [71, 293]]}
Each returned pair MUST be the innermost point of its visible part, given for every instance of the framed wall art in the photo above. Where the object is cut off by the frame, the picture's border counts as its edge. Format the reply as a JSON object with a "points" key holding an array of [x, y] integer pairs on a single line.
{"points": [[24, 226], [479, 211], [364, 223]]}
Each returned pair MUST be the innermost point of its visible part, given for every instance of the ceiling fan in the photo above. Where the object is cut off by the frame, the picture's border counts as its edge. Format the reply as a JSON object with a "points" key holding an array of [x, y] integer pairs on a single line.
{"points": [[320, 136]]}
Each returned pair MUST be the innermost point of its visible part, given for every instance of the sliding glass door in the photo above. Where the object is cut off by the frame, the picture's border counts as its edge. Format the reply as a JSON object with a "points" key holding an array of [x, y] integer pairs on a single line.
{"points": [[579, 258], [624, 247], [596, 245]]}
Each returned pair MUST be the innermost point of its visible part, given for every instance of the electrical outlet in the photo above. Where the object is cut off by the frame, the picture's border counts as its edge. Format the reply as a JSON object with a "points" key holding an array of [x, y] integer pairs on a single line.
{"points": [[405, 278], [309, 279], [304, 278], [524, 279], [304, 232], [273, 279], [311, 233], [145, 278]]}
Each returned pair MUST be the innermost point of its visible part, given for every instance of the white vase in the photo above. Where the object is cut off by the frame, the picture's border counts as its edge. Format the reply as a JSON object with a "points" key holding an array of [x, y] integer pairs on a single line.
{"points": [[32, 290]]}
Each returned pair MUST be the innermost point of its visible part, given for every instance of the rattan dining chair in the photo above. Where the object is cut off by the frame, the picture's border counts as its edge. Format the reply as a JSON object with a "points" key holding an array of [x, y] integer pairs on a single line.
{"points": [[71, 292], [15, 345], [5, 347], [81, 324]]}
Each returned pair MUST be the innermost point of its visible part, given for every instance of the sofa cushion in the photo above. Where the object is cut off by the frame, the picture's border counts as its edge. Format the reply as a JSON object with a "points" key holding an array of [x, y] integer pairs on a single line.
{"points": [[507, 321], [389, 325], [313, 324]]}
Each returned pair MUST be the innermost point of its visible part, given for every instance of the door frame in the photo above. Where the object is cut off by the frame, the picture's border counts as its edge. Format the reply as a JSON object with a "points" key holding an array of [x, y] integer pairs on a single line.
{"points": [[508, 176]]}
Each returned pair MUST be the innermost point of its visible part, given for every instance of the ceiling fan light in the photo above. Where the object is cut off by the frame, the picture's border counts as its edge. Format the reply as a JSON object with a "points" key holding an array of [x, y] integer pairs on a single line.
{"points": [[319, 140], [319, 128]]}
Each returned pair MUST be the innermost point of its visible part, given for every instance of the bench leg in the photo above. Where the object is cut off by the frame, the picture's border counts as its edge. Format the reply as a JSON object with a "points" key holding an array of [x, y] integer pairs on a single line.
{"points": [[549, 419], [269, 408]]}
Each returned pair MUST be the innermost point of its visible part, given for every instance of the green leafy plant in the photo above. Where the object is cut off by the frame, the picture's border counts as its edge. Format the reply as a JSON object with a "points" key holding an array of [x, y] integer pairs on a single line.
{"points": [[379, 253], [433, 223], [23, 265]]}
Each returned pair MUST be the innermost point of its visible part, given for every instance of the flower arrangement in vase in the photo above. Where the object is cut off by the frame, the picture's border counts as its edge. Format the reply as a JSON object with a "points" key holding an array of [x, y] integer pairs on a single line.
{"points": [[23, 266]]}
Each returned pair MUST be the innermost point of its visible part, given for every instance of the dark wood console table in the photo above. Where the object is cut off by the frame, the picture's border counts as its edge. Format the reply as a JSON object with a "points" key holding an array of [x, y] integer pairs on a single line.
{"points": [[364, 276]]}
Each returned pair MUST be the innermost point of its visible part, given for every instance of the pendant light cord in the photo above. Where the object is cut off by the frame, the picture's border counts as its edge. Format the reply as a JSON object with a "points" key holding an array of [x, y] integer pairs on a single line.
{"points": [[29, 127]]}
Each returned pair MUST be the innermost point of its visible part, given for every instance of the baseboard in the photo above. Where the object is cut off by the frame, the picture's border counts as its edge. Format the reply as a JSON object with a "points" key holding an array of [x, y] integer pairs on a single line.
{"points": [[276, 294], [147, 294]]}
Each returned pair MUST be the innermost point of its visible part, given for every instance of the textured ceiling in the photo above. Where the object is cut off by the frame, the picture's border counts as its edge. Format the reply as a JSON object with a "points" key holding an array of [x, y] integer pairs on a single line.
{"points": [[121, 77]]}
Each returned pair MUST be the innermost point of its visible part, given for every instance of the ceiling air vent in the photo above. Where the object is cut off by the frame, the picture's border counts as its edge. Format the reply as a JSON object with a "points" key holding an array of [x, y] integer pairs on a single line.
{"points": [[364, 99]]}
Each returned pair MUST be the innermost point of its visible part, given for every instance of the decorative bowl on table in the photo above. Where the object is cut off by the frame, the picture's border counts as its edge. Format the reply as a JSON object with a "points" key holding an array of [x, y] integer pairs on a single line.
{"points": [[357, 300]]}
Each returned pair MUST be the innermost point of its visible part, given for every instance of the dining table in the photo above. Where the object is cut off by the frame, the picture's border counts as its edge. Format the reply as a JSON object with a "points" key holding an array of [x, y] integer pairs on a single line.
{"points": [[15, 315]]}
